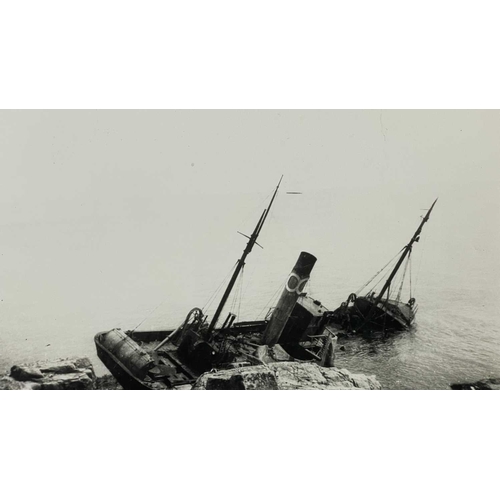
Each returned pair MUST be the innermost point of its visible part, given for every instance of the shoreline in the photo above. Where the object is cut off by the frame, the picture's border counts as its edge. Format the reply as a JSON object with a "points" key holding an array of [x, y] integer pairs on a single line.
{"points": [[79, 374]]}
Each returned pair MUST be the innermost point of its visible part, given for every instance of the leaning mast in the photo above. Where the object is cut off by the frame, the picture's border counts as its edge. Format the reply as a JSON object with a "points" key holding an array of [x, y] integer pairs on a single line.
{"points": [[406, 251], [252, 240]]}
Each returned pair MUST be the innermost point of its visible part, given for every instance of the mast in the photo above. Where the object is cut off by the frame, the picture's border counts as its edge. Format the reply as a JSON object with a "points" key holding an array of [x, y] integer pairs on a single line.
{"points": [[406, 251], [252, 240]]}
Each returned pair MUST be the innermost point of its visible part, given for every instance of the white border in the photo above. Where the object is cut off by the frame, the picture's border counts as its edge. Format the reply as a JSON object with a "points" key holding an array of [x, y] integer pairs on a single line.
{"points": [[263, 54], [385, 54]]}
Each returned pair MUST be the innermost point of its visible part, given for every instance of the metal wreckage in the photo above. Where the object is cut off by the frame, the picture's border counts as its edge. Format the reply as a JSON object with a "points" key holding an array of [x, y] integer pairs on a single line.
{"points": [[297, 329], [378, 314]]}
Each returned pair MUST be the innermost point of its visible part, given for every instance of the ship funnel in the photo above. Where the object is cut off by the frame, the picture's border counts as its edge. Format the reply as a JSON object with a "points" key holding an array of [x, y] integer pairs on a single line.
{"points": [[293, 288]]}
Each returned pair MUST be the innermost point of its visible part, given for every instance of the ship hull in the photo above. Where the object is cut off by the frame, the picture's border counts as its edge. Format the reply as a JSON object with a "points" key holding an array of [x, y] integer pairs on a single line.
{"points": [[155, 360], [119, 370], [365, 317], [134, 364]]}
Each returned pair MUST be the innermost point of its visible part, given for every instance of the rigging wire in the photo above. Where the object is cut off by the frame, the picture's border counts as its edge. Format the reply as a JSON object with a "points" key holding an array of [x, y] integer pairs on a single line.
{"points": [[384, 277], [398, 296], [308, 288], [150, 314], [235, 294], [420, 263], [212, 297], [241, 293], [256, 208], [280, 287], [376, 274], [210, 300], [237, 291], [409, 258], [239, 283]]}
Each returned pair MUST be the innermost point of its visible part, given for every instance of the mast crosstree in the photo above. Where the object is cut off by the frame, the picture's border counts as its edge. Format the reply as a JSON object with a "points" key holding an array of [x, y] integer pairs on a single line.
{"points": [[252, 240]]}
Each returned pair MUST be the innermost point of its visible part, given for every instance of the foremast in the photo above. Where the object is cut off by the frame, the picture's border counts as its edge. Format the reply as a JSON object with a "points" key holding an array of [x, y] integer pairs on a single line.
{"points": [[252, 240]]}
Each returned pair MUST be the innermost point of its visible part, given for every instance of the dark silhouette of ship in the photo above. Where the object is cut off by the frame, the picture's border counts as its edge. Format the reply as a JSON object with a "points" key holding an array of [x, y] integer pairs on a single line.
{"points": [[382, 312], [296, 330]]}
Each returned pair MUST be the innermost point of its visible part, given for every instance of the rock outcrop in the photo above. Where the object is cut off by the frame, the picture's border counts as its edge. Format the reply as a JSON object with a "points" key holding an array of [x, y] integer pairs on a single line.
{"points": [[65, 374], [285, 376], [486, 384], [78, 374]]}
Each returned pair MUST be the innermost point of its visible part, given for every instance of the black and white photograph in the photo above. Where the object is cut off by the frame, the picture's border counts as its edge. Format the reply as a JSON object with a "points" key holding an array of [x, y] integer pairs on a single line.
{"points": [[249, 250]]}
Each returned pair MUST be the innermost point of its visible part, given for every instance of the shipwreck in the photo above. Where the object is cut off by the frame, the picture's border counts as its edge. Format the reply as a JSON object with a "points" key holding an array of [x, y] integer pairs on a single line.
{"points": [[296, 329], [382, 312]]}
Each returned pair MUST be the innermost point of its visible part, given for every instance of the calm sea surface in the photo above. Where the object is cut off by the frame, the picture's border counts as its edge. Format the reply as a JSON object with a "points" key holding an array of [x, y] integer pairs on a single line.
{"points": [[64, 281]]}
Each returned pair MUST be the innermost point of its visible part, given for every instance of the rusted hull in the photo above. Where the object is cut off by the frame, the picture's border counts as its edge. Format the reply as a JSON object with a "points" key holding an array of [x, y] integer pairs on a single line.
{"points": [[119, 370], [169, 359], [391, 316], [132, 359], [386, 318], [136, 367]]}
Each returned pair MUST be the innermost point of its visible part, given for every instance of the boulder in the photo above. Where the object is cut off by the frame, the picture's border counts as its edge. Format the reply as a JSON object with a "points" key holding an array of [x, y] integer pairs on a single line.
{"points": [[61, 374], [487, 384], [228, 380], [66, 381], [23, 373], [286, 376], [59, 366]]}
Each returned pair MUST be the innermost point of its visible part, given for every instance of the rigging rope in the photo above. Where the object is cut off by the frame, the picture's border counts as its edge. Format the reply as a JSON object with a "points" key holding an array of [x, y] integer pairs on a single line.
{"points": [[210, 300], [235, 294], [376, 274], [398, 297], [420, 263], [384, 277], [237, 291], [149, 314], [212, 297], [409, 258], [241, 293], [280, 287]]}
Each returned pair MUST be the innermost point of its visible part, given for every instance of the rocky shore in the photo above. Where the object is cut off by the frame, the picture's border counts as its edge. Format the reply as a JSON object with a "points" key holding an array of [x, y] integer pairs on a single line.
{"points": [[286, 376], [79, 374], [487, 384], [60, 374]]}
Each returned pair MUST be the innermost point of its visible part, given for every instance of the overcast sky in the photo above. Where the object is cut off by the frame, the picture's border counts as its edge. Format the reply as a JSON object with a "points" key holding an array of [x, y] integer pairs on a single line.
{"points": [[86, 163]]}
